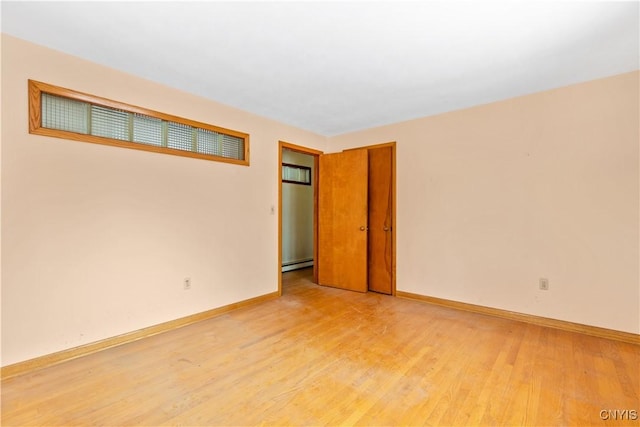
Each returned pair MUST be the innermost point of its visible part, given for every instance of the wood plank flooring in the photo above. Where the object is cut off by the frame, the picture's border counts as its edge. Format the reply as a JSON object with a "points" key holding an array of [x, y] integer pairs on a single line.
{"points": [[324, 356]]}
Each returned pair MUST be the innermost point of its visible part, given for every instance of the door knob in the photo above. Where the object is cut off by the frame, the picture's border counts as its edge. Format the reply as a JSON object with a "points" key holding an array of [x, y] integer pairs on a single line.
{"points": [[362, 228], [385, 228]]}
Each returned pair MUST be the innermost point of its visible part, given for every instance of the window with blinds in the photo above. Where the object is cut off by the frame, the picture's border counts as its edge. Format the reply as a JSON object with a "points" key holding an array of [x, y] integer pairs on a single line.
{"points": [[296, 174], [64, 113]]}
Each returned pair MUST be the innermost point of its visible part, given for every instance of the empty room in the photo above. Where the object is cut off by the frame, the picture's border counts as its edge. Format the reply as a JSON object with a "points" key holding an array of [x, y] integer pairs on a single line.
{"points": [[320, 213]]}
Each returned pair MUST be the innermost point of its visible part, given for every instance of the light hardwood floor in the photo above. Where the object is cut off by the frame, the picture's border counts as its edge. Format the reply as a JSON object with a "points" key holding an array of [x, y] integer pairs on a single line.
{"points": [[323, 356]]}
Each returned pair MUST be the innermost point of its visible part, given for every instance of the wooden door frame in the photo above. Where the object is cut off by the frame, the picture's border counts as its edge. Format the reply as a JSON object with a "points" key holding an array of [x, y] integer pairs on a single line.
{"points": [[316, 153], [391, 144], [314, 182]]}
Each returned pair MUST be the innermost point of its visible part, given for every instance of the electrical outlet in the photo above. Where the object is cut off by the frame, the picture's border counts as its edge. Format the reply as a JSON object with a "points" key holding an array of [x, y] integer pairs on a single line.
{"points": [[187, 284], [544, 284]]}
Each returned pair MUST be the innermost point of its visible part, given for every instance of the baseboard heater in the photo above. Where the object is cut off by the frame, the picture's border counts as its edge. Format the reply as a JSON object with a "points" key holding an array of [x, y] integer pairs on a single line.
{"points": [[295, 265]]}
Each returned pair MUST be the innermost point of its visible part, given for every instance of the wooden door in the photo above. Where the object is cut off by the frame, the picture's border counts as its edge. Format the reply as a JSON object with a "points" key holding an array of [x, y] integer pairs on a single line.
{"points": [[342, 220], [380, 220]]}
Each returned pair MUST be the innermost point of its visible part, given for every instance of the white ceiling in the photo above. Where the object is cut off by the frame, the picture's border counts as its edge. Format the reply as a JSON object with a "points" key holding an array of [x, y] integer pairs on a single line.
{"points": [[336, 67]]}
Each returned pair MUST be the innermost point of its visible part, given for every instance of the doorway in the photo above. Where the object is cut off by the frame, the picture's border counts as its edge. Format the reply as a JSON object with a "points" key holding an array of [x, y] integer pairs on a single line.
{"points": [[378, 223], [297, 178]]}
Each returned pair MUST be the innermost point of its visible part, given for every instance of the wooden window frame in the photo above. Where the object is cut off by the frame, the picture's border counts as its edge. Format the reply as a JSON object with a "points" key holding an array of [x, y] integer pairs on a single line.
{"points": [[291, 181], [35, 124]]}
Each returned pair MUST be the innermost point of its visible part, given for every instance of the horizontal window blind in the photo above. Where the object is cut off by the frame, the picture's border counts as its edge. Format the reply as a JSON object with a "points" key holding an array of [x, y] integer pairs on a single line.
{"points": [[296, 174], [209, 142], [231, 146], [147, 130], [63, 113], [180, 137], [108, 123]]}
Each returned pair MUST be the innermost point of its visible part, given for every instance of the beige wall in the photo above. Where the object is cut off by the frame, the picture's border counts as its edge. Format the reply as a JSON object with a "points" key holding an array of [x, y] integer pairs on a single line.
{"points": [[297, 213], [492, 198], [96, 240]]}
